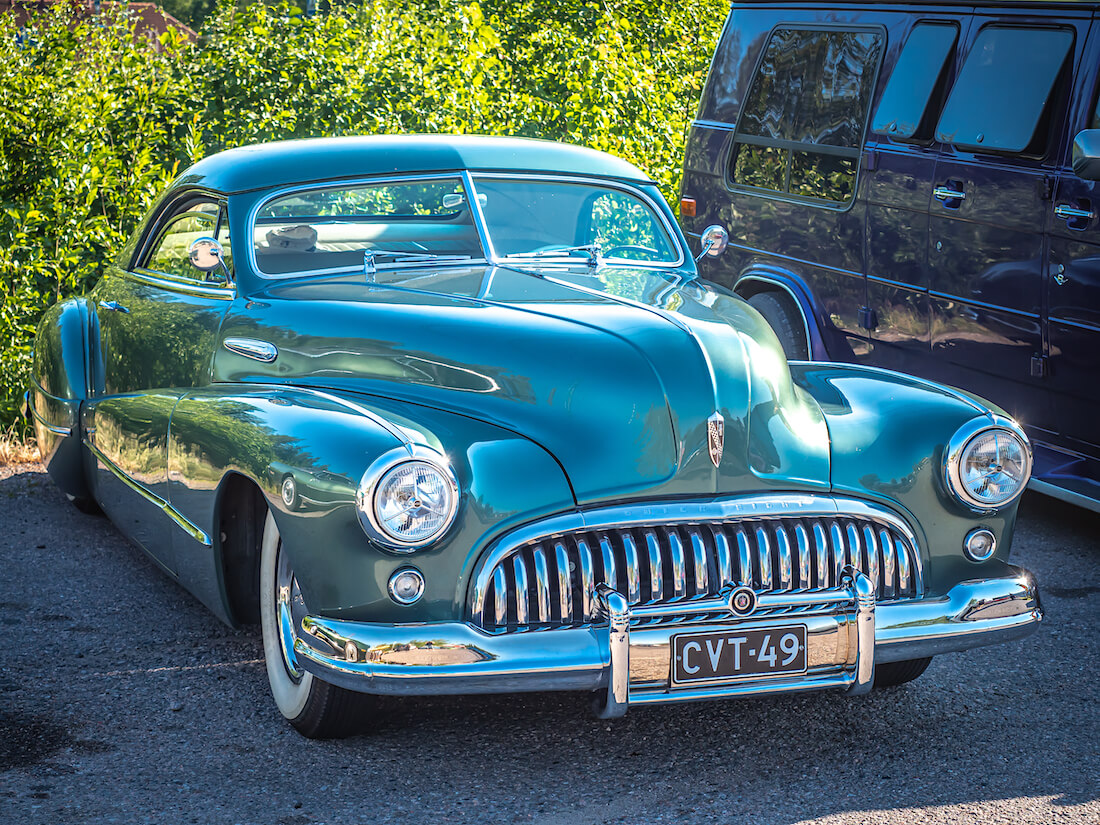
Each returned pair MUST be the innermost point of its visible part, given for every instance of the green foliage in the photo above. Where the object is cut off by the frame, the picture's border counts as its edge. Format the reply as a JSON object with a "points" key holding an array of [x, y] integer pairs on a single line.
{"points": [[94, 121]]}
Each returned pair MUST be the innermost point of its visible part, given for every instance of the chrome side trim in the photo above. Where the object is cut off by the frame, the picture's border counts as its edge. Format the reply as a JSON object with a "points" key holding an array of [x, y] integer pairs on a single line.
{"points": [[1062, 494], [224, 293], [252, 348], [170, 511], [53, 428]]}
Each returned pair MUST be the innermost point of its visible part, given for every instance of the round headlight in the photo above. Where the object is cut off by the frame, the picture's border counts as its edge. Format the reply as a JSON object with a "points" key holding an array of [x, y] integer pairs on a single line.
{"points": [[407, 502], [988, 464]]}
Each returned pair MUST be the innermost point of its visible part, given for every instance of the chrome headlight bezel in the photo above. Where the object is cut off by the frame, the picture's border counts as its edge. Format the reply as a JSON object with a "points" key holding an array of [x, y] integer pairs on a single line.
{"points": [[956, 449], [373, 481]]}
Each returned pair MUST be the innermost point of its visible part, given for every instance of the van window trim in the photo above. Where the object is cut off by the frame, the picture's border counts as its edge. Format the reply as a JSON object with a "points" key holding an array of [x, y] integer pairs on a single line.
{"points": [[737, 136]]}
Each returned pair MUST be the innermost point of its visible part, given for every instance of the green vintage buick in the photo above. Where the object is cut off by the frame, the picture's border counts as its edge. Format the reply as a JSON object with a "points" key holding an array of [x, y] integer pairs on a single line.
{"points": [[456, 415]]}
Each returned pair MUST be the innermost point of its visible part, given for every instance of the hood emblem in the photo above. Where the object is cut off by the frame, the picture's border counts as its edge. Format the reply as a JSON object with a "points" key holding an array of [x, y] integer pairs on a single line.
{"points": [[716, 436]]}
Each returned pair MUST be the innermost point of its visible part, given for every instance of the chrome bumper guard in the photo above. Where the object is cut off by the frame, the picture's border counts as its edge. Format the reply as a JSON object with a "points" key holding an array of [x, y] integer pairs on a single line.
{"points": [[627, 658]]}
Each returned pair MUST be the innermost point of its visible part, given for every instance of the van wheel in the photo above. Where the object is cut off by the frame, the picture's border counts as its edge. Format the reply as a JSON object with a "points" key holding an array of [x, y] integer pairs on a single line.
{"points": [[315, 708], [85, 504], [784, 318], [898, 673]]}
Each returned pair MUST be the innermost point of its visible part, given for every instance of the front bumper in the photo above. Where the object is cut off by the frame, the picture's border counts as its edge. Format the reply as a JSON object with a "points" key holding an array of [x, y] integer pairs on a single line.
{"points": [[847, 634]]}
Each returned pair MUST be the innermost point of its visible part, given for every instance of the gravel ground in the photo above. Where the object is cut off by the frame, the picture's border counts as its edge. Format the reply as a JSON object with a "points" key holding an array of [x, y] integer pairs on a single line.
{"points": [[124, 700]]}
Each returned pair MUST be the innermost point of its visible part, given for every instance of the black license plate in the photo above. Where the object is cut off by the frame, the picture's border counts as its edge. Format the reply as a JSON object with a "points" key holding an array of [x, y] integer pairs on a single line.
{"points": [[731, 654]]}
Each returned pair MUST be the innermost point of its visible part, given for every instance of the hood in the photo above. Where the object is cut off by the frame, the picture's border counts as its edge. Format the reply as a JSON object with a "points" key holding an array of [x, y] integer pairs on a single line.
{"points": [[615, 373]]}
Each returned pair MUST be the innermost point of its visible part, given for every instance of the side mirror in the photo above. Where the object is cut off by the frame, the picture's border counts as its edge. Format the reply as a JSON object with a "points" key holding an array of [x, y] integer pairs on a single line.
{"points": [[1086, 154], [714, 241], [206, 256]]}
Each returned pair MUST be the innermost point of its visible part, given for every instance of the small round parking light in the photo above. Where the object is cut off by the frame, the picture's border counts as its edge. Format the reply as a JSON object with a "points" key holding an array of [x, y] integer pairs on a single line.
{"points": [[980, 544], [406, 585]]}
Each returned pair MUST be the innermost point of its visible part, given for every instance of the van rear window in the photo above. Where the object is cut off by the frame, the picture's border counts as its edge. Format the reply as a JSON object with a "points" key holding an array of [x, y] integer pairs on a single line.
{"points": [[919, 75], [1004, 89], [801, 128]]}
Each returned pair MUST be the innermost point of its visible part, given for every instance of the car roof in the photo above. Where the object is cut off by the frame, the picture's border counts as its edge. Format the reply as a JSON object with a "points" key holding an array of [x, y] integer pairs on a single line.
{"points": [[290, 162]]}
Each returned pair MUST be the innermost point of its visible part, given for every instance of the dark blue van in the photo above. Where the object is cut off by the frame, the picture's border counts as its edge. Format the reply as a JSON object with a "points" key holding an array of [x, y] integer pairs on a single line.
{"points": [[914, 187]]}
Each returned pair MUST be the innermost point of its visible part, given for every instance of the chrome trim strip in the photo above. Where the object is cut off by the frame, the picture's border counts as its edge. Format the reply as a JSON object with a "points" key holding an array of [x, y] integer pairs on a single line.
{"points": [[222, 293], [449, 658], [252, 348], [170, 511], [65, 431]]}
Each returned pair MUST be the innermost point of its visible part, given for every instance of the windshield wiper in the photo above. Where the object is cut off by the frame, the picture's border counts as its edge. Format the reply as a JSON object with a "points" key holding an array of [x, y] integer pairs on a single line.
{"points": [[370, 267], [594, 250]]}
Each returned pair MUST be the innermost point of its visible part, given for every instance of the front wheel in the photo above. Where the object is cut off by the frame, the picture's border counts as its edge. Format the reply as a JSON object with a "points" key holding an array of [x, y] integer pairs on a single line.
{"points": [[898, 673], [315, 708]]}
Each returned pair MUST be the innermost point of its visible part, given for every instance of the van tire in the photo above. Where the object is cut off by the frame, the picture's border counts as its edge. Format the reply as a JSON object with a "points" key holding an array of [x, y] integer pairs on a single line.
{"points": [[784, 318]]}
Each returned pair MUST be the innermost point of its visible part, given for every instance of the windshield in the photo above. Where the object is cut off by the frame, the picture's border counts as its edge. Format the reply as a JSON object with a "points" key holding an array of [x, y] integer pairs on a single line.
{"points": [[533, 218], [329, 229]]}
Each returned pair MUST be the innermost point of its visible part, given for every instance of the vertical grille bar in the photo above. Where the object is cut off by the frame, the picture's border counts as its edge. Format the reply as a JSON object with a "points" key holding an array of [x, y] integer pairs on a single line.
{"points": [[870, 544], [725, 557], [838, 553], [588, 582], [500, 597], [888, 563], [802, 542], [522, 602], [903, 568], [821, 555], [565, 585], [633, 579], [610, 574], [855, 554], [656, 567], [679, 568], [699, 559], [783, 546], [764, 558], [744, 559], [542, 586]]}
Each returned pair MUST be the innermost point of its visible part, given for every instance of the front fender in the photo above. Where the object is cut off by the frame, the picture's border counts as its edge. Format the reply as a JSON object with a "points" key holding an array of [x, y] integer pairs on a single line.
{"points": [[888, 434], [325, 442]]}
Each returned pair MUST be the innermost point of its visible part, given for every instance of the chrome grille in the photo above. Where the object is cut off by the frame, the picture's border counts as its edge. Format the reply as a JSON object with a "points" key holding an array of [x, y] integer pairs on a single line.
{"points": [[548, 581]]}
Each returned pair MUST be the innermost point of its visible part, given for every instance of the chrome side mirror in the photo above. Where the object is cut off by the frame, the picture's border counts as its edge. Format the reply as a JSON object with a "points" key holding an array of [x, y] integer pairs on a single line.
{"points": [[1086, 154], [206, 256], [714, 240]]}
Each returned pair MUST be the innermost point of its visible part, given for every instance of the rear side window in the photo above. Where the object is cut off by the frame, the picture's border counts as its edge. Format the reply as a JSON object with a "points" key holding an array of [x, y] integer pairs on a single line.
{"points": [[915, 89], [801, 128], [1004, 90]]}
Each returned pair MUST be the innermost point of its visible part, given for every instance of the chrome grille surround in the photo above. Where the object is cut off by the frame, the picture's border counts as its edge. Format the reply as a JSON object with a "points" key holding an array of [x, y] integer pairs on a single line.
{"points": [[545, 575]]}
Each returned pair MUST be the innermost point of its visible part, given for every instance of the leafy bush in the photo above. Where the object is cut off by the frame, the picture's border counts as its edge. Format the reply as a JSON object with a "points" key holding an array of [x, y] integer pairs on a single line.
{"points": [[94, 121]]}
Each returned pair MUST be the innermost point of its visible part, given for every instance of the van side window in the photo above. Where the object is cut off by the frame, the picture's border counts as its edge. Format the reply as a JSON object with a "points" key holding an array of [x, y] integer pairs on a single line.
{"points": [[1004, 89], [918, 79], [801, 128]]}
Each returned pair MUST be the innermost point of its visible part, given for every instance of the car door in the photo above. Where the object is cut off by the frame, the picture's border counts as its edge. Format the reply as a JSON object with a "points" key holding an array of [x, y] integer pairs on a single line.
{"points": [[1073, 287], [901, 160], [157, 325], [1001, 131]]}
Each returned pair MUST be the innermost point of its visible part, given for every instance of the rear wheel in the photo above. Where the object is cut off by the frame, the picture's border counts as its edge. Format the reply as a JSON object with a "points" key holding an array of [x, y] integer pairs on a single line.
{"points": [[315, 708], [784, 318], [898, 673]]}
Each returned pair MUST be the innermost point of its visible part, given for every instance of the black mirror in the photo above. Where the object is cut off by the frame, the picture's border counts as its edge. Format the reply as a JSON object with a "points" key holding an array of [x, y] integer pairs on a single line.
{"points": [[1086, 154]]}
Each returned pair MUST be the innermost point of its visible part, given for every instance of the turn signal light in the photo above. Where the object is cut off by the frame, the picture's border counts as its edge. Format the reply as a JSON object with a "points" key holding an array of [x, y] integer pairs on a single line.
{"points": [[687, 207]]}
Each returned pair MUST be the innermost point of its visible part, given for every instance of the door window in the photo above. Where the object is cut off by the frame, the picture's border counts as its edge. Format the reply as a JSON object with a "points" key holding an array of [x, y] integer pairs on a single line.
{"points": [[1001, 100], [169, 255], [915, 89], [801, 128]]}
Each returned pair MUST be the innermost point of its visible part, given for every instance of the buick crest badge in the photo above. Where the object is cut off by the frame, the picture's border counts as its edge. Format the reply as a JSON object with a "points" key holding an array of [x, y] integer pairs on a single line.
{"points": [[716, 436]]}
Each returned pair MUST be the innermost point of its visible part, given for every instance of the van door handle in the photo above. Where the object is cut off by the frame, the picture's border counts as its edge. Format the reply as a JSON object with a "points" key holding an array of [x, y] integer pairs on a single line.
{"points": [[114, 306], [1072, 213], [947, 193]]}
